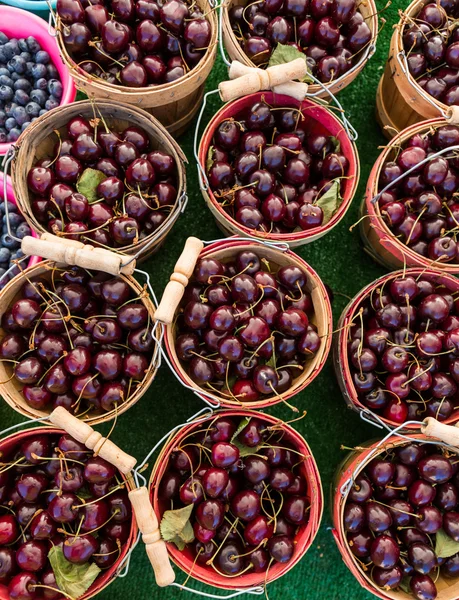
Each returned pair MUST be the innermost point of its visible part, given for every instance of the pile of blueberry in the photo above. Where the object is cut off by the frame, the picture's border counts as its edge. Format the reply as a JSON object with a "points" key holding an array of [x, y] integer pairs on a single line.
{"points": [[10, 249], [29, 85]]}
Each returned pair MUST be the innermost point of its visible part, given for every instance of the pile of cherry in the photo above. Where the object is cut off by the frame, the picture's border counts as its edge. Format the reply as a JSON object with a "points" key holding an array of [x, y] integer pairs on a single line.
{"points": [[422, 209], [135, 43], [395, 513], [81, 340], [131, 187], [244, 330], [248, 494], [431, 43], [403, 349], [269, 171], [331, 33], [55, 493]]}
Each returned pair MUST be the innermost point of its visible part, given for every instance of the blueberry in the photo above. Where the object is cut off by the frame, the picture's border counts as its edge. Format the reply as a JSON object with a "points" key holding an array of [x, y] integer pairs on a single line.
{"points": [[6, 93], [3, 56], [23, 84], [30, 66], [10, 123], [21, 97], [40, 84], [13, 134], [38, 96], [53, 73], [15, 220], [23, 45], [42, 112], [21, 116], [9, 242], [4, 71], [32, 44], [22, 230], [3, 38], [55, 88], [5, 254], [2, 118], [32, 109], [39, 71], [6, 80], [12, 208], [19, 64], [42, 57], [51, 103], [3, 135], [9, 108], [15, 76], [11, 48]]}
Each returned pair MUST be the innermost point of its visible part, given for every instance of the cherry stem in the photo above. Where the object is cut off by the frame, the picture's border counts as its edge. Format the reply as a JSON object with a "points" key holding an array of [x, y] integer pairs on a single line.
{"points": [[54, 589]]}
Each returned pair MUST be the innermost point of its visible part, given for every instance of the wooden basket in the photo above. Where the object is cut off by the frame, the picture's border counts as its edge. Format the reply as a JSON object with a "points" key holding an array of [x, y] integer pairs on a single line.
{"points": [[11, 389], [317, 119], [173, 104], [379, 241], [225, 250], [340, 342], [304, 537], [235, 52], [37, 142], [400, 101], [107, 576], [353, 464]]}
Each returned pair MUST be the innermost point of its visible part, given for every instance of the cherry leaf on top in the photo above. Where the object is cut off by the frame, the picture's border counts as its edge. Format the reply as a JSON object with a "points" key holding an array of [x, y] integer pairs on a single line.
{"points": [[284, 54], [88, 182], [243, 423], [175, 526], [210, 158], [405, 585], [246, 450], [336, 144], [330, 201], [74, 580], [444, 545]]}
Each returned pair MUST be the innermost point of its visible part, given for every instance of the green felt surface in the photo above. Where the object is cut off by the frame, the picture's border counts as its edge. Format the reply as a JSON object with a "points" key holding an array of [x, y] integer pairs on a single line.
{"points": [[341, 262]]}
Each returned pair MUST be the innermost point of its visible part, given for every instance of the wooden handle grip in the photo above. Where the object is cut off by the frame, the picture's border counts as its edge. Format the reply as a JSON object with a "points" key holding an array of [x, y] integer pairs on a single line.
{"points": [[76, 253], [93, 440], [294, 89], [446, 433], [174, 290], [154, 545], [247, 80]]}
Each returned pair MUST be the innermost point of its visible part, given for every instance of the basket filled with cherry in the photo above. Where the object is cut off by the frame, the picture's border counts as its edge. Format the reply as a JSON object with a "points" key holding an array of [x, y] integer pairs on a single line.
{"points": [[238, 497], [104, 174], [277, 168], [252, 326]]}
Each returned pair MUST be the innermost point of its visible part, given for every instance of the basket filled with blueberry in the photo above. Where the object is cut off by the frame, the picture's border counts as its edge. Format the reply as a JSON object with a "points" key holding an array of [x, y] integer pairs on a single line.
{"points": [[33, 79]]}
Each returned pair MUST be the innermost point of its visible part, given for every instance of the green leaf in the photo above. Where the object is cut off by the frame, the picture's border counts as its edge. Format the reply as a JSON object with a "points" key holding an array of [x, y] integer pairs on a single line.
{"points": [[243, 423], [175, 526], [246, 450], [84, 493], [72, 579], [283, 54], [336, 144], [210, 158], [330, 201], [444, 545], [88, 182], [272, 361], [405, 585]]}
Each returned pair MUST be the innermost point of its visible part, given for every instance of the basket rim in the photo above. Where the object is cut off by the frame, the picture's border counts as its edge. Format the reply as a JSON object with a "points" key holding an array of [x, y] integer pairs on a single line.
{"points": [[113, 570], [194, 73], [377, 222], [341, 358], [31, 413], [151, 124], [307, 534], [277, 99], [319, 360]]}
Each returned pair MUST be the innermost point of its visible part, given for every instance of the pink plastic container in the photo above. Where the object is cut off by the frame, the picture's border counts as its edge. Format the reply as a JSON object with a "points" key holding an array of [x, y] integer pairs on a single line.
{"points": [[12, 198], [18, 23]]}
